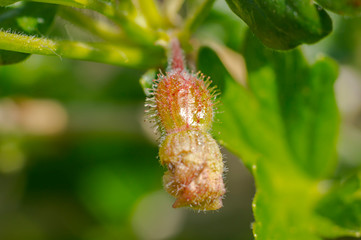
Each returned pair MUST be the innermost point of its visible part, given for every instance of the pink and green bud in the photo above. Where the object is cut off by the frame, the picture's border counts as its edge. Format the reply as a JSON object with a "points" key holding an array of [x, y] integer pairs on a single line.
{"points": [[184, 102], [195, 169], [182, 106]]}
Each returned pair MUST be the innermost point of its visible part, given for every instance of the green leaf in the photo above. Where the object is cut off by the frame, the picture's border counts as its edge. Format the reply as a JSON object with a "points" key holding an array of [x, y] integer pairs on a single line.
{"points": [[291, 104], [343, 7], [344, 198], [304, 100], [284, 127], [9, 57], [283, 24], [25, 18]]}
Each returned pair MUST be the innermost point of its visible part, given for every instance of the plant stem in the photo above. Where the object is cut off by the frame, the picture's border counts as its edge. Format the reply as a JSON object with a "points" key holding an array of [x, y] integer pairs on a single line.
{"points": [[171, 8], [123, 55], [102, 7], [97, 27], [138, 33], [151, 12]]}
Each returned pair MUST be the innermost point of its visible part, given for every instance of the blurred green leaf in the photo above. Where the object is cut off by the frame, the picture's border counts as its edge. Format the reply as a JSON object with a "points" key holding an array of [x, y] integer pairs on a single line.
{"points": [[25, 18], [343, 7], [222, 25], [304, 100], [283, 24], [291, 104], [9, 57], [344, 199], [284, 127]]}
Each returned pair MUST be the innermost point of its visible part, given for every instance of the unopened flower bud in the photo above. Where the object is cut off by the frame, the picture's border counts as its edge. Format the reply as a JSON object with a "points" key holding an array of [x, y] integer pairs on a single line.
{"points": [[182, 107], [184, 102], [195, 169]]}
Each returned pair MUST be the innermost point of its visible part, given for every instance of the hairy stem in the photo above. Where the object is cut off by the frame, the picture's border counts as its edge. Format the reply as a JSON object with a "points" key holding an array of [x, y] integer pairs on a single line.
{"points": [[123, 55]]}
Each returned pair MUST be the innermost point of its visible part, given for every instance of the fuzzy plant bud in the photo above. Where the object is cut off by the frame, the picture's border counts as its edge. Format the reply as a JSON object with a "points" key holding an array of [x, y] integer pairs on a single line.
{"points": [[195, 169], [184, 102], [182, 106]]}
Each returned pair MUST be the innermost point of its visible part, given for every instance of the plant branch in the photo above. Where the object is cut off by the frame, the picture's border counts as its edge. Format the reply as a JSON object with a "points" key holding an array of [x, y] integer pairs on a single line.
{"points": [[122, 55], [135, 31], [97, 27], [151, 12], [102, 7], [171, 8]]}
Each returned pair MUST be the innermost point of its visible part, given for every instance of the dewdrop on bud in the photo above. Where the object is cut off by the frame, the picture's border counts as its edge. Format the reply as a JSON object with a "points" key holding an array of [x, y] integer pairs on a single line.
{"points": [[182, 107]]}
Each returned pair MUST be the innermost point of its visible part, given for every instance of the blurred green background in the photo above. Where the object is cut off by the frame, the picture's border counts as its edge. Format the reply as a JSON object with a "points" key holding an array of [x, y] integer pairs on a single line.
{"points": [[78, 160]]}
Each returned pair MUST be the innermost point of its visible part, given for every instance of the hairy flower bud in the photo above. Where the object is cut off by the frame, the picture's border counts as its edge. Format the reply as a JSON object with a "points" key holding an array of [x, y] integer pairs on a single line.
{"points": [[195, 169], [182, 107], [184, 102]]}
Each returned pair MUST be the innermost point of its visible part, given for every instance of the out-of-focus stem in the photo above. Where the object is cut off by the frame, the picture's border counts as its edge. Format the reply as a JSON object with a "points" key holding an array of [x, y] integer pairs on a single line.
{"points": [[102, 7], [97, 27], [171, 8], [150, 11], [138, 33], [123, 55]]}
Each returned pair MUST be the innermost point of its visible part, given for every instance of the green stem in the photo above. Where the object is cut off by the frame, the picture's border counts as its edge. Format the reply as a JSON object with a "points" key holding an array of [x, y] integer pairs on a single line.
{"points": [[102, 7], [135, 31], [151, 12], [97, 27], [171, 8], [123, 55]]}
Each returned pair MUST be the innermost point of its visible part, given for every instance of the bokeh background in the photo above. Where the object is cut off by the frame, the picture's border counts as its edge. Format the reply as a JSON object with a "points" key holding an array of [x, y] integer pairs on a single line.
{"points": [[79, 161]]}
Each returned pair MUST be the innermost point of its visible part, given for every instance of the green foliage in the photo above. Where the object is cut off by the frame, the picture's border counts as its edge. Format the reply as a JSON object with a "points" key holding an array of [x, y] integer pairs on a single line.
{"points": [[345, 200], [29, 18], [283, 126], [9, 57], [343, 7], [283, 24], [286, 24]]}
